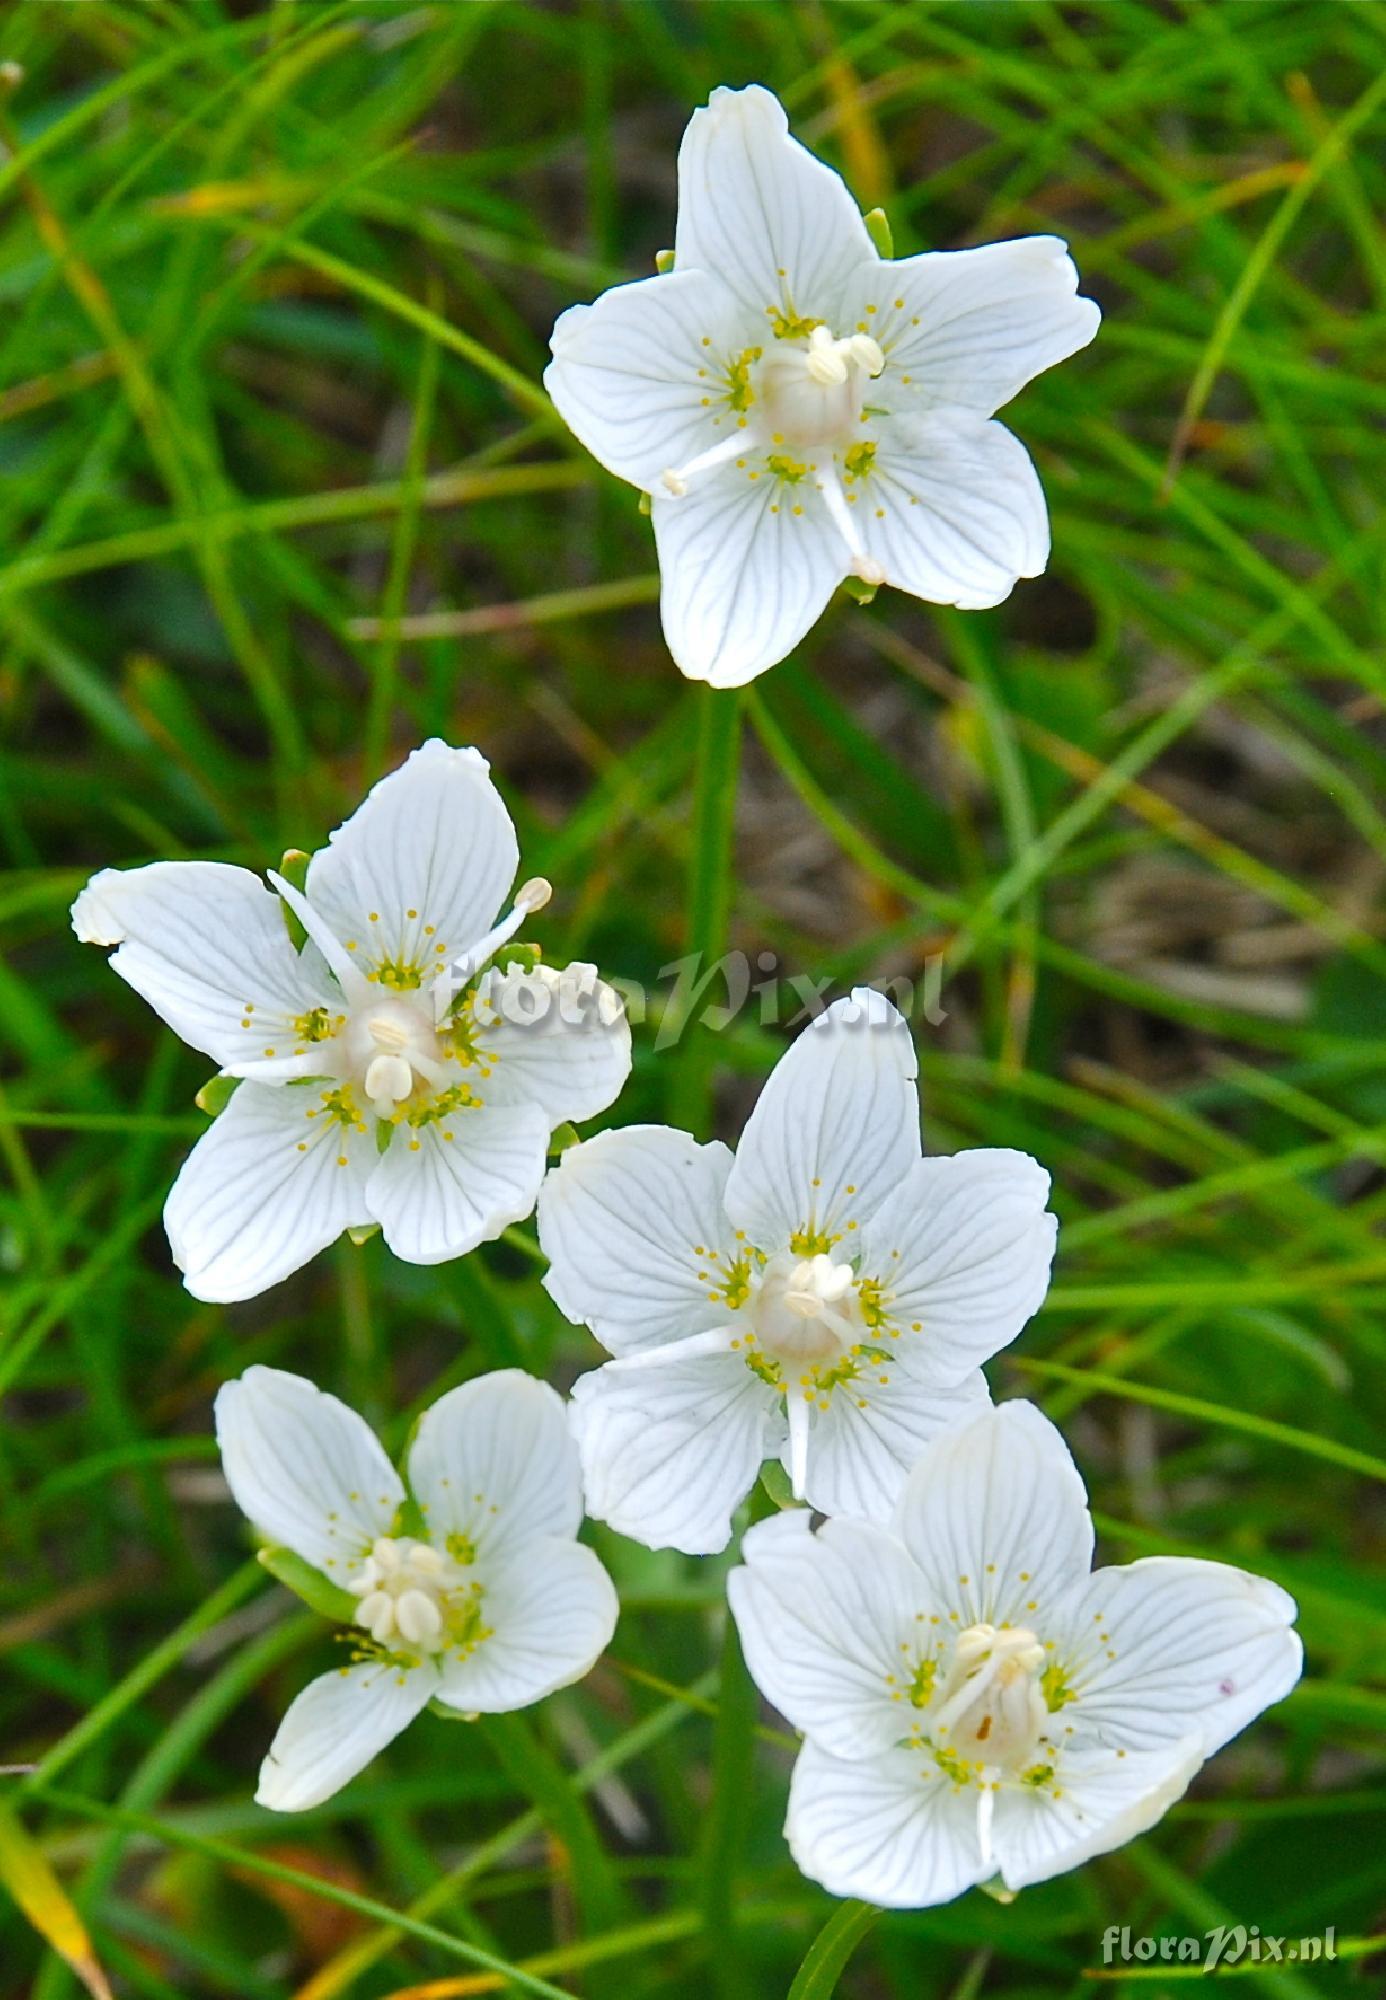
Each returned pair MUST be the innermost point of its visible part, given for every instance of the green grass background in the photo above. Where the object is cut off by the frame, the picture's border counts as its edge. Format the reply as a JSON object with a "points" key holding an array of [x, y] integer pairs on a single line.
{"points": [[279, 496]]}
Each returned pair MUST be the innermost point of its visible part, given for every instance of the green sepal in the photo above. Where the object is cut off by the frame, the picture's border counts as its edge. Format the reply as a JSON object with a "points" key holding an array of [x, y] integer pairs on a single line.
{"points": [[294, 869], [998, 1891], [878, 229], [318, 1592], [646, 505], [216, 1093], [362, 1232], [775, 1481], [562, 1138], [384, 1131], [453, 1714], [525, 957], [664, 261], [859, 590]]}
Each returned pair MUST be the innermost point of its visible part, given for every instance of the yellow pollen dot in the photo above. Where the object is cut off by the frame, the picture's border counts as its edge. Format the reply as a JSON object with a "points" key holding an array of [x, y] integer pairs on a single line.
{"points": [[778, 438], [871, 309], [899, 304], [303, 1145], [774, 508], [414, 1145], [1032, 1605], [796, 510], [375, 916], [411, 913], [707, 341], [429, 929], [341, 1159], [907, 379], [880, 513], [964, 1579], [448, 1137], [850, 1188]]}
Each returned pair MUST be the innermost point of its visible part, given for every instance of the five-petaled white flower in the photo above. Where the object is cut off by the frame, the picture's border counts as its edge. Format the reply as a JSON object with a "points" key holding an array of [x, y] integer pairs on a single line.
{"points": [[975, 1702], [389, 1078], [470, 1590], [828, 1295], [801, 410]]}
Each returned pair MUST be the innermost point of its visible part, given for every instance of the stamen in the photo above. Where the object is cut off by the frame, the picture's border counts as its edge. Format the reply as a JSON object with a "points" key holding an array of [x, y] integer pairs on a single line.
{"points": [[531, 896], [863, 565], [798, 1412], [676, 481], [350, 978], [717, 1342]]}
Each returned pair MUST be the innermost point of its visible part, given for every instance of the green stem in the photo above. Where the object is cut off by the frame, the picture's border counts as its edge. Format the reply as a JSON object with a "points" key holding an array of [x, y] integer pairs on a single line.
{"points": [[733, 1755], [709, 886], [827, 1956]]}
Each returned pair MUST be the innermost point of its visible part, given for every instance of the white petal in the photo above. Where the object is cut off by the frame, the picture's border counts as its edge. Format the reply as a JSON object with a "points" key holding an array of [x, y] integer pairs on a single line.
{"points": [[996, 1517], [305, 1469], [668, 1452], [961, 1249], [433, 838], [885, 1829], [972, 327], [640, 376], [629, 1222], [205, 945], [742, 576], [446, 1186], [825, 1620], [863, 1447], [835, 1129], [776, 225], [335, 1727], [494, 1461], [264, 1190], [1099, 1801], [953, 510], [1200, 1647], [555, 1037], [551, 1610]]}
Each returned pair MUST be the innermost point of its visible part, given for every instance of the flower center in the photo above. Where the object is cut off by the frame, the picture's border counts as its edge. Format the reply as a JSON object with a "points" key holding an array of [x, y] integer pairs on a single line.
{"points": [[394, 1050], [991, 1708], [807, 1308], [411, 1593], [813, 389]]}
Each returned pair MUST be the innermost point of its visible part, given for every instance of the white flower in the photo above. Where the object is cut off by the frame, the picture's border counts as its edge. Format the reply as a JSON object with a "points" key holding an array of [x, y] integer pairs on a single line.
{"points": [[488, 1604], [975, 1702], [385, 1082], [801, 410], [827, 1296]]}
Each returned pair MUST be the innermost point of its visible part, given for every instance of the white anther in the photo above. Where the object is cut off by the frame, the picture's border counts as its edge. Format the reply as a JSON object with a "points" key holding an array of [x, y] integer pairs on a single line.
{"points": [[534, 895], [387, 1082], [418, 1617], [672, 483], [867, 354], [868, 569], [826, 359]]}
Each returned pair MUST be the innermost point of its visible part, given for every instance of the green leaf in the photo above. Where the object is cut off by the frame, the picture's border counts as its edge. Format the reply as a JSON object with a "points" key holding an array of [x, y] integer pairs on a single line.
{"points": [[318, 1592], [28, 1875]]}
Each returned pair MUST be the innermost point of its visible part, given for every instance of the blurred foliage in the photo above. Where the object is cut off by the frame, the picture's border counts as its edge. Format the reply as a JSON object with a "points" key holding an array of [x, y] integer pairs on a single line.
{"points": [[281, 496]]}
